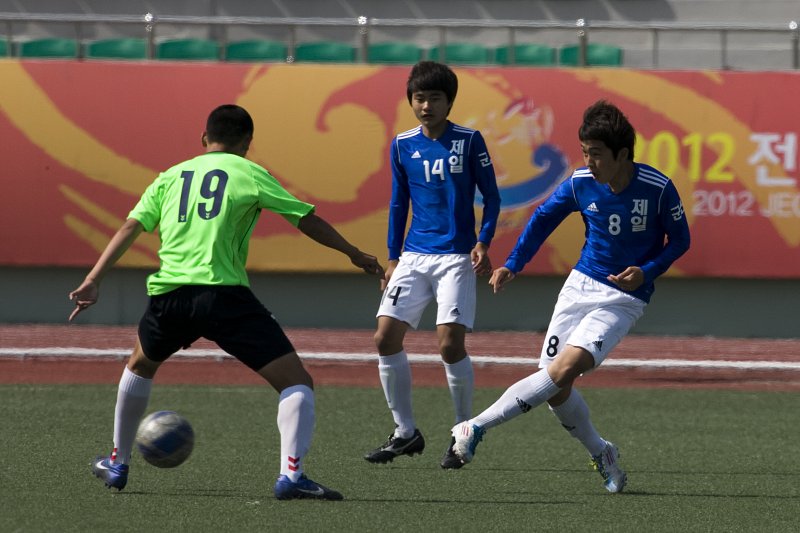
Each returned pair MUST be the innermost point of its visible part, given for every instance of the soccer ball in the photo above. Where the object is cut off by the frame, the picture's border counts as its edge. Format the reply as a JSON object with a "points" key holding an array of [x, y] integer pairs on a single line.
{"points": [[165, 439]]}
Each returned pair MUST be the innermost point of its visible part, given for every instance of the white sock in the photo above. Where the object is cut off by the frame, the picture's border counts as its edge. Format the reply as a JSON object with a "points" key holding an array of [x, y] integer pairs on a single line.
{"points": [[133, 394], [574, 416], [519, 398], [461, 381], [296, 425], [395, 375]]}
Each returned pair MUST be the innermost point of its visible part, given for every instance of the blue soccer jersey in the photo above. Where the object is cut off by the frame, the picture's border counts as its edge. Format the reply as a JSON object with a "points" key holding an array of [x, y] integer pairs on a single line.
{"points": [[644, 226], [438, 179]]}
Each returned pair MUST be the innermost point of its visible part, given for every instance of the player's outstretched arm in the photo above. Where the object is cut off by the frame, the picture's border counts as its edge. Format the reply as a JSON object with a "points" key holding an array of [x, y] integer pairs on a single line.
{"points": [[319, 230], [499, 278], [88, 292]]}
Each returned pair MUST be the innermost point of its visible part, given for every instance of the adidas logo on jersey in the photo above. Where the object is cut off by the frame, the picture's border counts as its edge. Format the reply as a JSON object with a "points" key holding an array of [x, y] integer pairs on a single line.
{"points": [[593, 208], [415, 155]]}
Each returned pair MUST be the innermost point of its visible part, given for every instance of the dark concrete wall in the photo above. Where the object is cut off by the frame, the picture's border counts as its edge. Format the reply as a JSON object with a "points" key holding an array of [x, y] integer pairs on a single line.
{"points": [[697, 307]]}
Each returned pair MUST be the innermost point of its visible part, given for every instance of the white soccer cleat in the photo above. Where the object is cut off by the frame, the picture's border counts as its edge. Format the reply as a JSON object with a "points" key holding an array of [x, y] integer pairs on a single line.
{"points": [[607, 463], [467, 436]]}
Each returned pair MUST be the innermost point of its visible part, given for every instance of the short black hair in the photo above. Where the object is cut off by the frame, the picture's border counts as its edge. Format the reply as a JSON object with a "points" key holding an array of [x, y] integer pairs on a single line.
{"points": [[229, 125], [603, 121], [432, 76]]}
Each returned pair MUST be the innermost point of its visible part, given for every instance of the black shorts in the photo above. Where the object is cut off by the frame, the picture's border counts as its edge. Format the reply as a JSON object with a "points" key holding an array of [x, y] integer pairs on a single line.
{"points": [[230, 316]]}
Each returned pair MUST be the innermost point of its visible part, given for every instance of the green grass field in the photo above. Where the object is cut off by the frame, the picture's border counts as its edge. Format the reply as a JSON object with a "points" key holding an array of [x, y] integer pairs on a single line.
{"points": [[696, 460]]}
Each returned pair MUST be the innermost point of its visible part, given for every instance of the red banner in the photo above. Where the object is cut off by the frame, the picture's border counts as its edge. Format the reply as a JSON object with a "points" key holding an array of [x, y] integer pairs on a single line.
{"points": [[81, 141]]}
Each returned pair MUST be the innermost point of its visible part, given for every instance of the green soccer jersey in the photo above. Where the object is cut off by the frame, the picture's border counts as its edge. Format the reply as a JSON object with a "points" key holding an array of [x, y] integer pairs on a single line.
{"points": [[206, 209]]}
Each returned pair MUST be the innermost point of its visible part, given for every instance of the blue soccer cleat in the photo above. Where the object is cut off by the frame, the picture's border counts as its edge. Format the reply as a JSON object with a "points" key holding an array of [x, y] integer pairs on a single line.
{"points": [[467, 436], [614, 478], [112, 475], [304, 488]]}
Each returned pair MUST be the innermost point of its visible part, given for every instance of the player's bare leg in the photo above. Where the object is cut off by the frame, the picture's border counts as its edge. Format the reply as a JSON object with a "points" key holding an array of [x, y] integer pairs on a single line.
{"points": [[572, 412], [139, 364], [133, 394], [520, 398], [460, 380], [296, 420], [395, 375], [286, 371]]}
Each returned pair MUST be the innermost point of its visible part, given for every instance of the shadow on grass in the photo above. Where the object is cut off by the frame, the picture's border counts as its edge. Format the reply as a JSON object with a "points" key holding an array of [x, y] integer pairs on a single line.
{"points": [[195, 493], [472, 501], [678, 494]]}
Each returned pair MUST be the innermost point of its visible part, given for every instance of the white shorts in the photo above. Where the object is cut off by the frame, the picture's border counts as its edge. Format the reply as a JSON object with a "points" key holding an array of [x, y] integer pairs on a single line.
{"points": [[589, 315], [421, 278]]}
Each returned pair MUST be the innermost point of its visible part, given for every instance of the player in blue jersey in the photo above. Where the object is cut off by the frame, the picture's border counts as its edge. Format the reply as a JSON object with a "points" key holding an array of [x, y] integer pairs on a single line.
{"points": [[635, 229], [436, 167]]}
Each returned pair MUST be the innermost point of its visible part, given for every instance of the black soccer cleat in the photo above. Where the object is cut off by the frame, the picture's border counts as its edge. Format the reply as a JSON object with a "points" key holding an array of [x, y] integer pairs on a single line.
{"points": [[450, 461], [395, 447]]}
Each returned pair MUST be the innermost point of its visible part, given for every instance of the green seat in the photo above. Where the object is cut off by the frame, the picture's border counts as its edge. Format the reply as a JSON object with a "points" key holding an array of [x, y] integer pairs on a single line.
{"points": [[51, 47], [596, 55], [462, 53], [256, 50], [117, 49], [188, 50], [3, 47], [325, 52], [394, 52], [527, 54]]}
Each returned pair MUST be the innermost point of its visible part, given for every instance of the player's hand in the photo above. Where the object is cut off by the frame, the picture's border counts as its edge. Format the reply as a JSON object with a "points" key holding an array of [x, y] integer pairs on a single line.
{"points": [[629, 279], [84, 296], [387, 275], [368, 263], [481, 263], [499, 278]]}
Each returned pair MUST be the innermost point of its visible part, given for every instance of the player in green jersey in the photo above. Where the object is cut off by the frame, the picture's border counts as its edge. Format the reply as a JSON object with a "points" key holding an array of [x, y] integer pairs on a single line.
{"points": [[206, 209]]}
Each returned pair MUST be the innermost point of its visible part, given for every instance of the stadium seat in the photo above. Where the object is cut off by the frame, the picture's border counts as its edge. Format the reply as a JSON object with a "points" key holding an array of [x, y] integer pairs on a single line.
{"points": [[117, 49], [256, 50], [52, 47], [188, 50], [596, 55], [325, 52], [394, 52], [462, 53], [527, 54]]}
